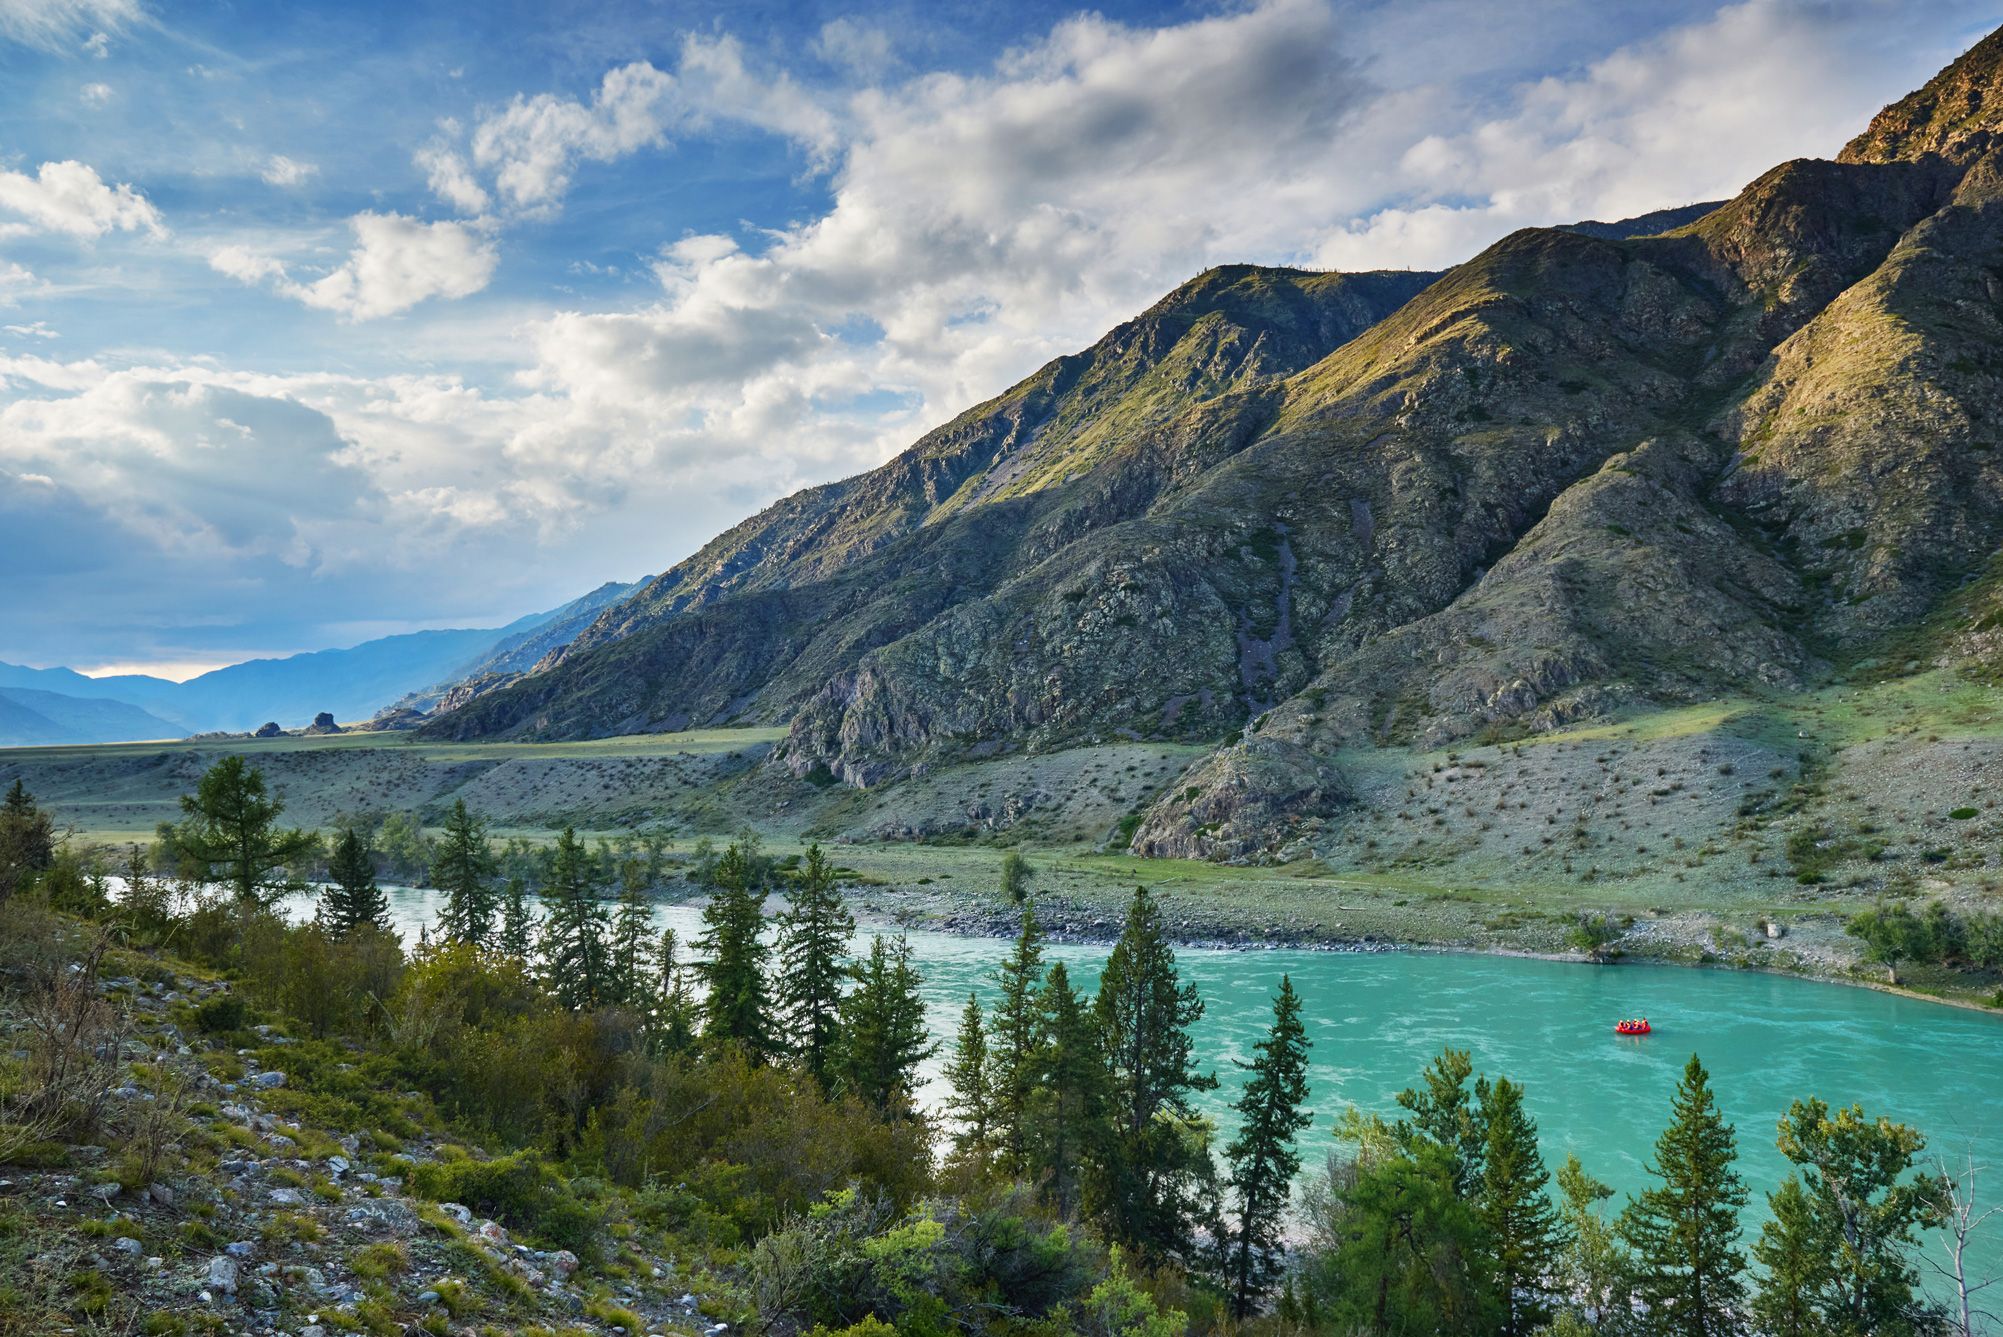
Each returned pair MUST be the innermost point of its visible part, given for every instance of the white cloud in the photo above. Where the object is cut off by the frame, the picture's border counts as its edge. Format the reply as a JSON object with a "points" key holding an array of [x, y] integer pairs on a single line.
{"points": [[95, 95], [16, 282], [71, 198], [452, 180], [282, 171], [98, 44], [534, 144], [862, 49], [396, 263], [55, 23], [37, 330]]}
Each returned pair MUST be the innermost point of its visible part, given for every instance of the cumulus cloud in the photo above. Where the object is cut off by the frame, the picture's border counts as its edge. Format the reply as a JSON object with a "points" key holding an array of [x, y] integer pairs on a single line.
{"points": [[35, 330], [71, 198], [53, 24], [16, 282], [534, 143], [451, 179], [396, 263], [282, 171]]}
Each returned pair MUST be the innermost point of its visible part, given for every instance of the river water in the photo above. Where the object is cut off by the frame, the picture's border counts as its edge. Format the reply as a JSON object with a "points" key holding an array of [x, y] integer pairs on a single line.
{"points": [[1376, 1019]]}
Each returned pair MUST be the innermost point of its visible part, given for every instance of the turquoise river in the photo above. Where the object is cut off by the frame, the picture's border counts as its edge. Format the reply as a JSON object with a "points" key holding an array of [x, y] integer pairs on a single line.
{"points": [[1376, 1019]]}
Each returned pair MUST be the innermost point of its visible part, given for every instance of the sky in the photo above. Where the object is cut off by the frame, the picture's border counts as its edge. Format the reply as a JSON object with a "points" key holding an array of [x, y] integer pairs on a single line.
{"points": [[320, 322]]}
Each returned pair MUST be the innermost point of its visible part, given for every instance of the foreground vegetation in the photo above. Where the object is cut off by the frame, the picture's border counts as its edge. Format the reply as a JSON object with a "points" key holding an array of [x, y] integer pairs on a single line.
{"points": [[734, 1116]]}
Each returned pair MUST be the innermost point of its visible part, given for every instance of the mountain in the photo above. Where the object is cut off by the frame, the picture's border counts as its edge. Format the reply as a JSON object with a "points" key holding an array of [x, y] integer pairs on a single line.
{"points": [[352, 683], [29, 716], [1592, 470], [520, 651]]}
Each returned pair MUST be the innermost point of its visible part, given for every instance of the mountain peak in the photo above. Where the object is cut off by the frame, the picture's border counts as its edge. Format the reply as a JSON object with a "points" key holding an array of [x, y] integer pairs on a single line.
{"points": [[1957, 115]]}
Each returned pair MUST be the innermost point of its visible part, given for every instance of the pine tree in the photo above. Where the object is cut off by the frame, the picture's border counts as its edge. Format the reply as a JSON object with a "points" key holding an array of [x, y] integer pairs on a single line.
{"points": [[1685, 1231], [632, 983], [517, 920], [1263, 1158], [736, 1011], [574, 954], [1445, 1111], [463, 869], [230, 835], [1849, 1206], [1067, 1107], [1522, 1229], [1012, 1035], [1591, 1266], [351, 897], [1156, 1175], [675, 1017], [814, 933], [971, 1104], [883, 1038]]}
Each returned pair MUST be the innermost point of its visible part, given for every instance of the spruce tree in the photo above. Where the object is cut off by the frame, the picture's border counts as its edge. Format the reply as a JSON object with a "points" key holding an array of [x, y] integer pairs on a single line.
{"points": [[1797, 1259], [1591, 1265], [517, 919], [883, 1038], [463, 868], [1155, 1177], [814, 934], [351, 897], [632, 966], [1523, 1235], [675, 1017], [1685, 1231], [736, 1010], [1263, 1157], [1067, 1106], [27, 840], [1012, 1036], [971, 1102], [575, 959]]}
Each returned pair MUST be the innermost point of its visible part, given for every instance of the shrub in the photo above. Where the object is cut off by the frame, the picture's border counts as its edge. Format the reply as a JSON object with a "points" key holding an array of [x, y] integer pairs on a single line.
{"points": [[519, 1191], [221, 1014]]}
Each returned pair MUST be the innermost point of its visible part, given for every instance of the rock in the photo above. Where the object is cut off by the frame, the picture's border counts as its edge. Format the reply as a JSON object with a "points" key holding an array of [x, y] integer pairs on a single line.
{"points": [[323, 723], [492, 1232], [239, 1249], [458, 1212], [160, 1193], [268, 729], [268, 1080], [222, 1274], [104, 1192], [337, 1166], [427, 1297], [287, 1197], [127, 1245], [563, 1262]]}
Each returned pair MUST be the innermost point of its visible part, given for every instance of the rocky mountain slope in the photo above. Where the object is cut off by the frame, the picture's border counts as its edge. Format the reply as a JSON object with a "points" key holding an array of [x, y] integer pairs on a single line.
{"points": [[1297, 514]]}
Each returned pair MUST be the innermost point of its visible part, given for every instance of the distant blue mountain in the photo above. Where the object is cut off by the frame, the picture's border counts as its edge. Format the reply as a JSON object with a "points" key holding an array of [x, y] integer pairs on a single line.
{"points": [[351, 684], [29, 715]]}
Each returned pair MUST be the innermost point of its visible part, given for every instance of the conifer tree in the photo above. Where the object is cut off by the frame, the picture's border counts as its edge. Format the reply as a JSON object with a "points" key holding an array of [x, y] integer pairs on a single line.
{"points": [[736, 1010], [1591, 1265], [1522, 1232], [230, 835], [575, 959], [351, 897], [1842, 1233], [971, 1103], [883, 1037], [27, 840], [463, 868], [1447, 1112], [1263, 1158], [517, 920], [632, 943], [675, 1017], [1155, 1178], [1067, 1106], [814, 933], [1012, 1033], [1685, 1231]]}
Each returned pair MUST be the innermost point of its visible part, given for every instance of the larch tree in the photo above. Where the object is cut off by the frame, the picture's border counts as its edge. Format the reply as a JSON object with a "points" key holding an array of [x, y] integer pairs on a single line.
{"points": [[675, 1015], [1067, 1106], [1446, 1110], [1684, 1230], [1263, 1157], [1012, 1038], [633, 941], [517, 937], [882, 1033], [971, 1102], [229, 835], [814, 932]]}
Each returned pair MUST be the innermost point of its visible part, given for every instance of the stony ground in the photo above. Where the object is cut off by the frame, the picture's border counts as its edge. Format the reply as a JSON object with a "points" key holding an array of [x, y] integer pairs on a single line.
{"points": [[273, 1222]]}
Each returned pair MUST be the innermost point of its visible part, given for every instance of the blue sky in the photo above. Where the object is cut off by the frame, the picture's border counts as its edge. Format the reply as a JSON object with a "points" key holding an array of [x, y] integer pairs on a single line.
{"points": [[319, 322]]}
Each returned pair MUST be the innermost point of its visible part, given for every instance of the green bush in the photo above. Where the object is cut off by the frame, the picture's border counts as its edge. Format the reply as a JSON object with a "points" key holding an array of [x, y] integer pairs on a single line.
{"points": [[519, 1191], [221, 1014]]}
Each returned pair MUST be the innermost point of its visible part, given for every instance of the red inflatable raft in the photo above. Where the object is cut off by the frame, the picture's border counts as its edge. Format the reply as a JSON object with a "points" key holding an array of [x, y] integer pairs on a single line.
{"points": [[1640, 1027]]}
